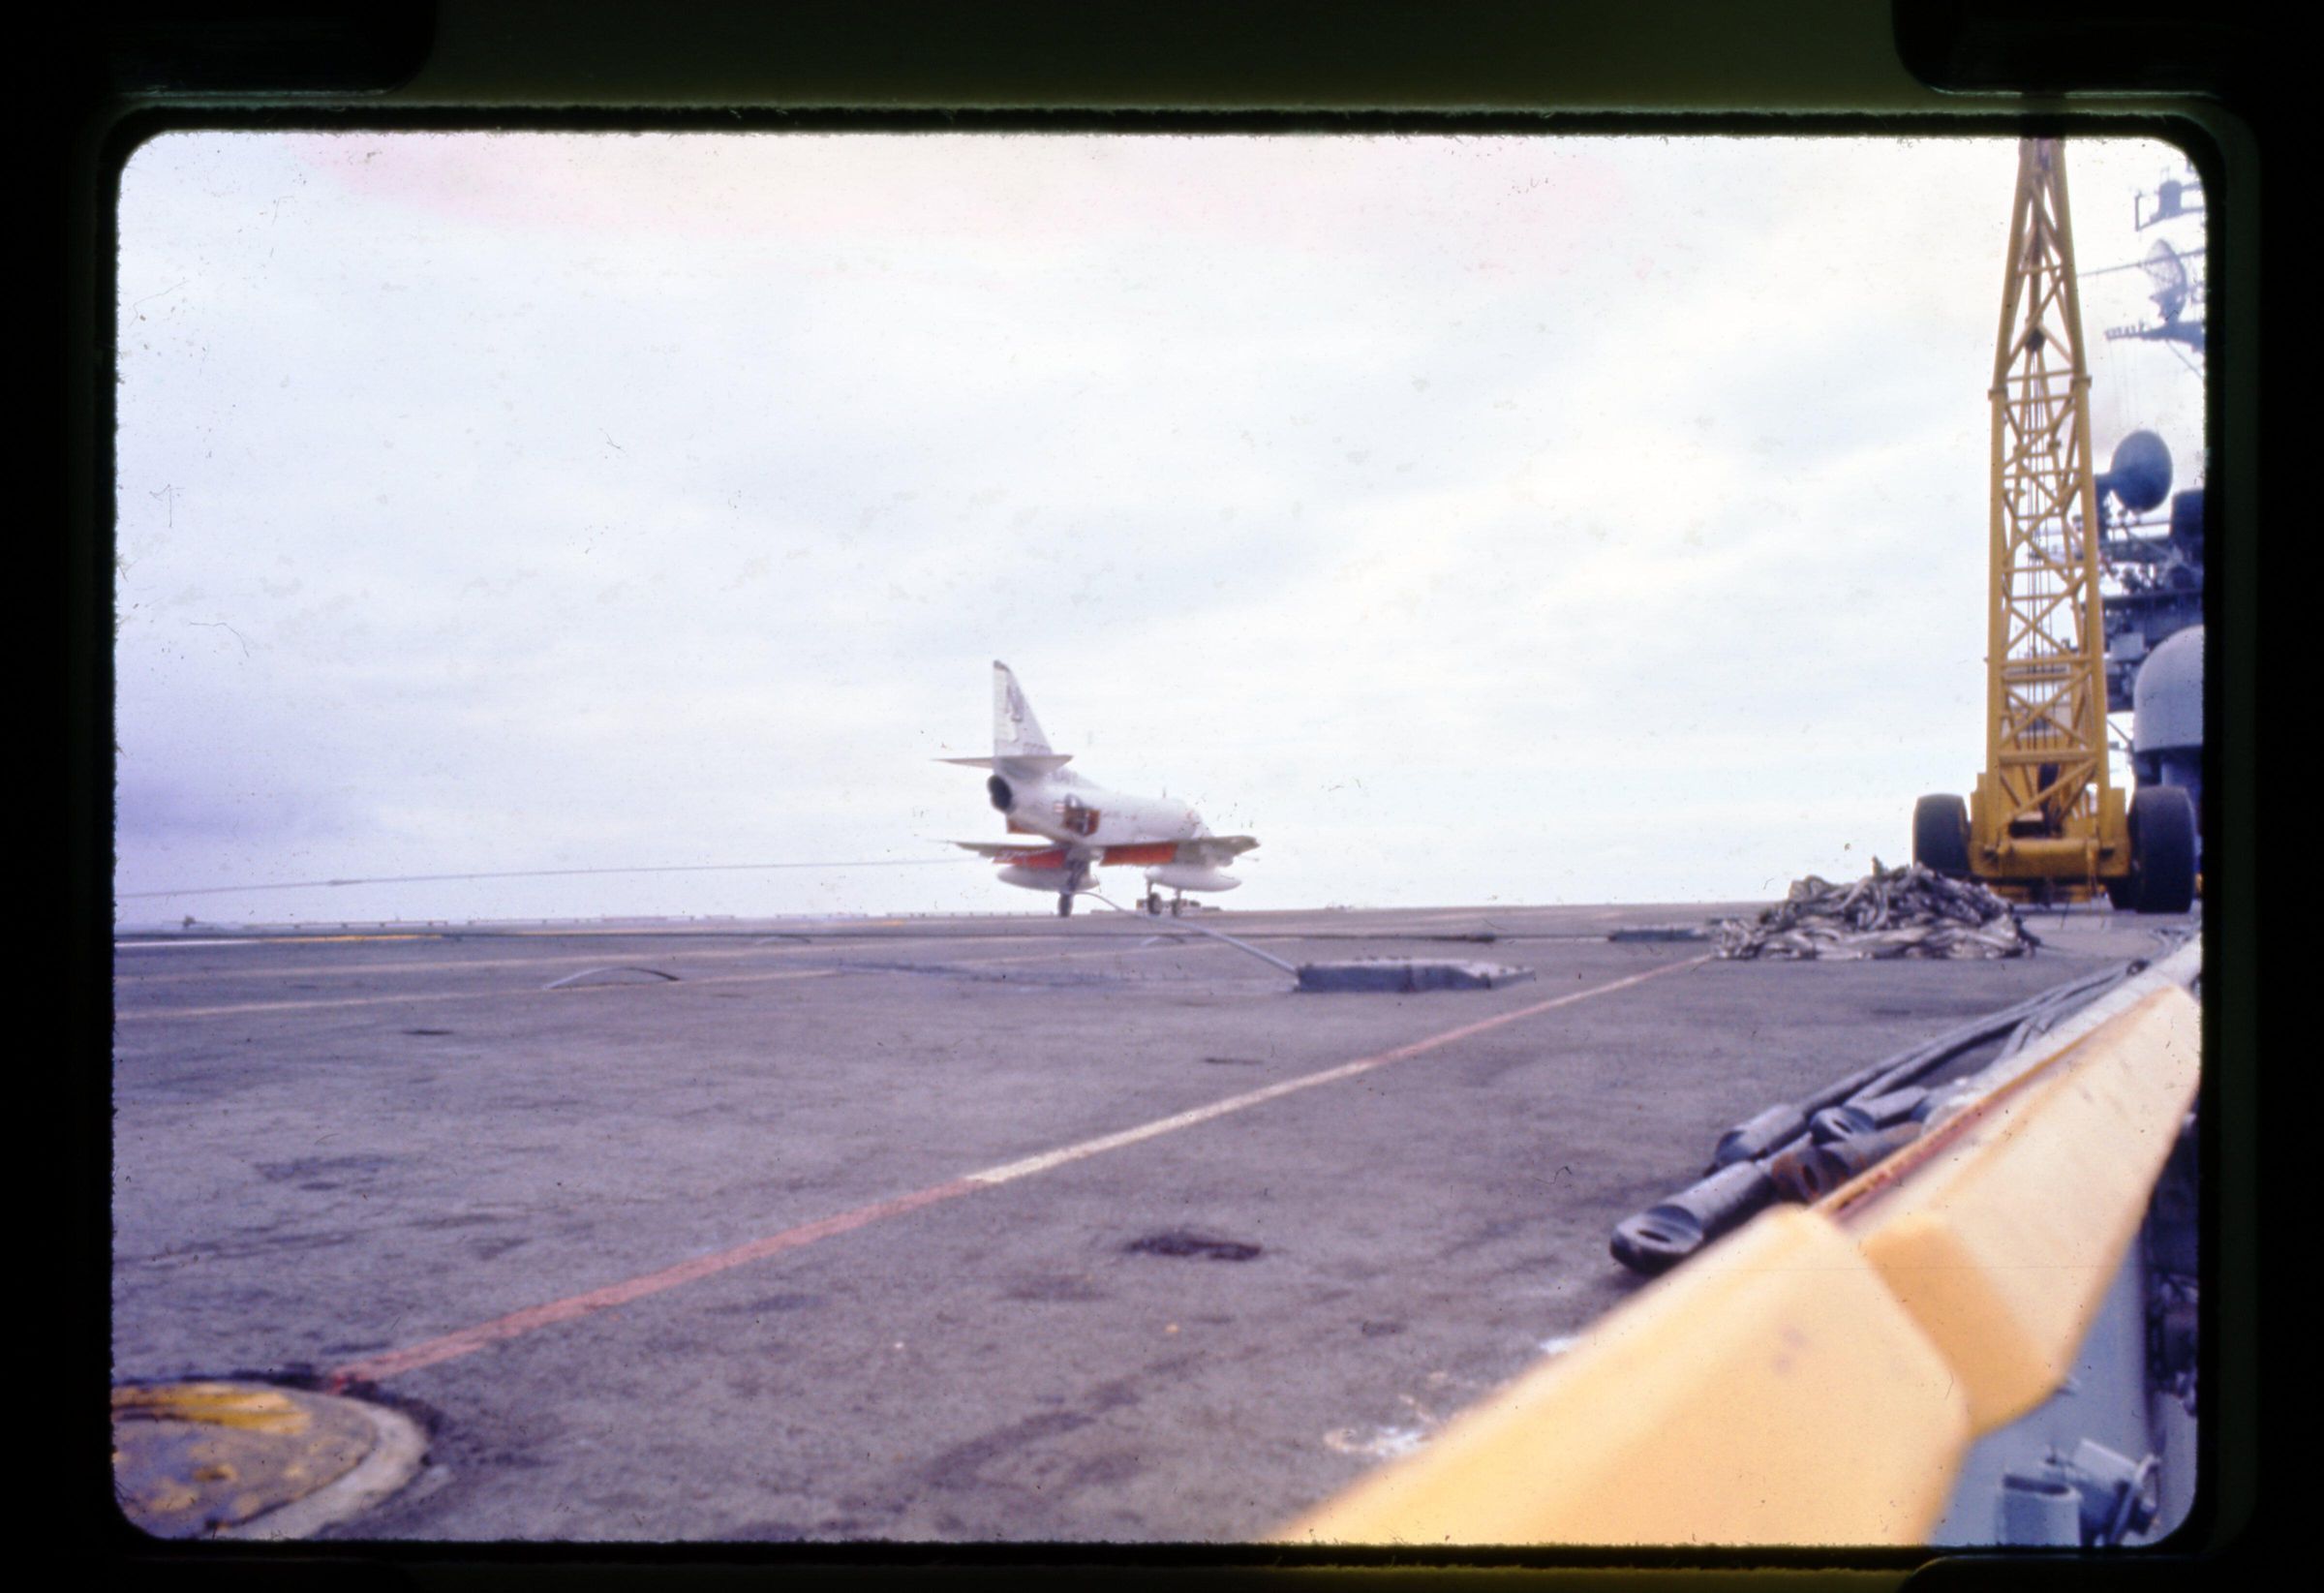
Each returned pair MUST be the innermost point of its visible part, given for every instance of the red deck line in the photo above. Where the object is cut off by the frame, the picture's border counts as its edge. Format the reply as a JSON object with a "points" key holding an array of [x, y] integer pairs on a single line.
{"points": [[450, 1346]]}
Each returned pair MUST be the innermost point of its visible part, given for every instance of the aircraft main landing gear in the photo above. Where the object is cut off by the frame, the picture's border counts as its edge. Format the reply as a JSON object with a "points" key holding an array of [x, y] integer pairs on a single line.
{"points": [[1075, 879], [1153, 904]]}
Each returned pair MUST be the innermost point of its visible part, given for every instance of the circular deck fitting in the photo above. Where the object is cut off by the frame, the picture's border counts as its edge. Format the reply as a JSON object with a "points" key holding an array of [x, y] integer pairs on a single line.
{"points": [[221, 1459]]}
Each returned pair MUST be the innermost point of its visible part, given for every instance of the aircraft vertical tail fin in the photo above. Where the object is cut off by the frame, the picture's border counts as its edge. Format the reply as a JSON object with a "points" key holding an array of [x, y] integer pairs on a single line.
{"points": [[1016, 733]]}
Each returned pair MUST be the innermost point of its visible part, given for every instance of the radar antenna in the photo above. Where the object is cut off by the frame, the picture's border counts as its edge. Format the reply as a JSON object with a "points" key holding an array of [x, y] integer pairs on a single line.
{"points": [[2177, 293]]}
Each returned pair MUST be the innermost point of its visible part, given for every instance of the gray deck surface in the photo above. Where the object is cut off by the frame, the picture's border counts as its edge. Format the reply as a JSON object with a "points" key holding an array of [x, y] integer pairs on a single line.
{"points": [[328, 1149]]}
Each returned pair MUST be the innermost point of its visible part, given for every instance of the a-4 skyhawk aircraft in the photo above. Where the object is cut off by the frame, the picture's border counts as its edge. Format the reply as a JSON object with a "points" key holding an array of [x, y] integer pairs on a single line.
{"points": [[1068, 828]]}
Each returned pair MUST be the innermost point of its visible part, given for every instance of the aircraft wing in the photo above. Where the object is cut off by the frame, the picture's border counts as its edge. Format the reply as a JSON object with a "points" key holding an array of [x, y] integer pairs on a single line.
{"points": [[1008, 848], [1020, 764], [1209, 850], [1212, 850]]}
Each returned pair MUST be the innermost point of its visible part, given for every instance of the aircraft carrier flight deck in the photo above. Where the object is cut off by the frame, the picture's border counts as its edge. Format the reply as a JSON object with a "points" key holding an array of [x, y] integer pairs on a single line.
{"points": [[997, 1229]]}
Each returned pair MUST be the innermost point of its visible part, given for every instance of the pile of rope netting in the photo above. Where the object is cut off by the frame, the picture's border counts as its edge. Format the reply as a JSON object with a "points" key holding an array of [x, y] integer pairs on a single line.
{"points": [[1890, 912]]}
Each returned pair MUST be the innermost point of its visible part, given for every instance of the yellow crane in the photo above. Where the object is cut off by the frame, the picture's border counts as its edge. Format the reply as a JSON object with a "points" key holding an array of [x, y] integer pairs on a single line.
{"points": [[2045, 824]]}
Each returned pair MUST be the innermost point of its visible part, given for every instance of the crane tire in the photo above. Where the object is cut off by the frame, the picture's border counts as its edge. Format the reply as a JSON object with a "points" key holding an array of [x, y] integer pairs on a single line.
{"points": [[1940, 835], [2163, 848]]}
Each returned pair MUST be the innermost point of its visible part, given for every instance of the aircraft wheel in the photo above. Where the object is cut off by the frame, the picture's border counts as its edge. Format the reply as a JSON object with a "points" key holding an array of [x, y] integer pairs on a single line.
{"points": [[2163, 848], [1065, 906], [1940, 835]]}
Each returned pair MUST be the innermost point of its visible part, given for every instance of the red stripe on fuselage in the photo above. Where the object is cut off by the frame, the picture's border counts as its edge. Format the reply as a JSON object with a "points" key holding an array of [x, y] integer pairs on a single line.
{"points": [[1143, 851]]}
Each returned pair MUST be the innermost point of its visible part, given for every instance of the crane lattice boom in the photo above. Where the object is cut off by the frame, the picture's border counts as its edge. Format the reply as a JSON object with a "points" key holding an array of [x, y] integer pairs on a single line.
{"points": [[2046, 731]]}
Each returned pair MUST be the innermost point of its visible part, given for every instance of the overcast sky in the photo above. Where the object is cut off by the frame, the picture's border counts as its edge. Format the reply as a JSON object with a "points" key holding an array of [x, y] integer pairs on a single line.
{"points": [[1472, 520]]}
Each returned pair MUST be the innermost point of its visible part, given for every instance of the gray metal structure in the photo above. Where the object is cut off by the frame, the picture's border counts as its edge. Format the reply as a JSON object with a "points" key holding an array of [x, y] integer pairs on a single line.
{"points": [[2110, 1458], [2156, 589], [2166, 718], [2152, 597]]}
